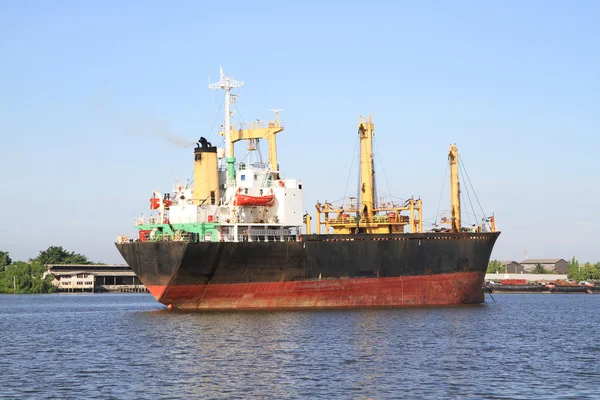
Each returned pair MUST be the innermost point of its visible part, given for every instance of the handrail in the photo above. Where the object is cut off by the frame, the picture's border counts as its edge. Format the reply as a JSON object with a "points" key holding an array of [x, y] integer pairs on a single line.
{"points": [[258, 125], [378, 219]]}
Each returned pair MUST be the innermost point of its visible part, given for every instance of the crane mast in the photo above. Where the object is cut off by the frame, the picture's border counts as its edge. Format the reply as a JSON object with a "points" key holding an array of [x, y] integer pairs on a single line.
{"points": [[454, 188]]}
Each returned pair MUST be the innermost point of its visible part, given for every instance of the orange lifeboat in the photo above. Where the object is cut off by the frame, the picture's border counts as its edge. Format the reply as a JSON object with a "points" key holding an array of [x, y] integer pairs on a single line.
{"points": [[254, 201], [154, 203]]}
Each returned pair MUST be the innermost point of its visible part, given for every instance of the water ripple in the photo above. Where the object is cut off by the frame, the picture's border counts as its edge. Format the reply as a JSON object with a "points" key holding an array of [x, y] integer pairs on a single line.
{"points": [[127, 346]]}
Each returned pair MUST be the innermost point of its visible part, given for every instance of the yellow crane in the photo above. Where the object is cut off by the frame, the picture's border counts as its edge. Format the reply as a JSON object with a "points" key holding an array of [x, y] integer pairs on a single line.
{"points": [[367, 218], [258, 130]]}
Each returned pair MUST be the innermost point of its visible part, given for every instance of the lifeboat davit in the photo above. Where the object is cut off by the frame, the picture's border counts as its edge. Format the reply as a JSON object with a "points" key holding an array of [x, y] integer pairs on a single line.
{"points": [[155, 203], [254, 201]]}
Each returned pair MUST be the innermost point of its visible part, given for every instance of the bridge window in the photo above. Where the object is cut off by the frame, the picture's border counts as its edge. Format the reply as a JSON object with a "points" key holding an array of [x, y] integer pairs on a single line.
{"points": [[243, 177]]}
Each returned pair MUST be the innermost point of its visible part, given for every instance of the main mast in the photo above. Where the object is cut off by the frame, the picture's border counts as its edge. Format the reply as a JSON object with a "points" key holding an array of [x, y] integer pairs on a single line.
{"points": [[366, 131], [454, 188], [227, 83]]}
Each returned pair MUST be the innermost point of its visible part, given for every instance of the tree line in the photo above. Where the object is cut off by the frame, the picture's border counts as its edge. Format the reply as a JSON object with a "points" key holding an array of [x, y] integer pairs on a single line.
{"points": [[577, 271], [32, 276]]}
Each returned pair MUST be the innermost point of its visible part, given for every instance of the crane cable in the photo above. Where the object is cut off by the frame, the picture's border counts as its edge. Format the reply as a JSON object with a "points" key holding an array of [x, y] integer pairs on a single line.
{"points": [[216, 116], [473, 188], [437, 214], [387, 183], [461, 169], [350, 171]]}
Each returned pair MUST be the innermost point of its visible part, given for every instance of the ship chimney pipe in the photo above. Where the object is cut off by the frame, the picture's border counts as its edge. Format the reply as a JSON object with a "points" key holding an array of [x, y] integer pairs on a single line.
{"points": [[206, 174]]}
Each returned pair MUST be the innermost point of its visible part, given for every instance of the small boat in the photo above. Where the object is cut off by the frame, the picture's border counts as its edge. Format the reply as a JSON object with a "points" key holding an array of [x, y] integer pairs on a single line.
{"points": [[254, 201], [569, 289], [517, 288], [593, 289]]}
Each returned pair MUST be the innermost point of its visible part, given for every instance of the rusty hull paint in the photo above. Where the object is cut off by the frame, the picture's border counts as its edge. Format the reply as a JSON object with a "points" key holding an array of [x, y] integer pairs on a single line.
{"points": [[442, 289]]}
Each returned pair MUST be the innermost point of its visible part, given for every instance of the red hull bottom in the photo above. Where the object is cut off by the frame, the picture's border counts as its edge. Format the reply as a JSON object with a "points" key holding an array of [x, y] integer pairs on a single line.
{"points": [[443, 289]]}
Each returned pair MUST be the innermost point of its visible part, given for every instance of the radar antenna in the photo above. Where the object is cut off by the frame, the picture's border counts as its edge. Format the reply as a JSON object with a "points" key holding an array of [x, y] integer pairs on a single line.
{"points": [[276, 111]]}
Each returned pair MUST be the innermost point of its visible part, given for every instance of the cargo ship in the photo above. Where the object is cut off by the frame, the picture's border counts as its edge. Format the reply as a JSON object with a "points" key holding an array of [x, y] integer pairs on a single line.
{"points": [[236, 238]]}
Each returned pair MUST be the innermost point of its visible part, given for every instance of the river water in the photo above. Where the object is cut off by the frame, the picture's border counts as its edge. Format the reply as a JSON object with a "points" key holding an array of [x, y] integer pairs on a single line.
{"points": [[128, 346]]}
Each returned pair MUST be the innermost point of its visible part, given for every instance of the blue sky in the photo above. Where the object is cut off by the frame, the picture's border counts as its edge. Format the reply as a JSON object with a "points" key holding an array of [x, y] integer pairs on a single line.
{"points": [[88, 90]]}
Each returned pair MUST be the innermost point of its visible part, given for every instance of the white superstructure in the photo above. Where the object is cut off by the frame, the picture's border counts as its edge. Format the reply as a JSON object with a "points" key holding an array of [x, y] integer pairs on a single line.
{"points": [[252, 201]]}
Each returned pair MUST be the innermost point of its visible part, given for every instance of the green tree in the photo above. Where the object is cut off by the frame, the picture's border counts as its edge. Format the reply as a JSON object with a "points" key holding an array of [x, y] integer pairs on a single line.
{"points": [[588, 272], [495, 267], [5, 260], [32, 276], [58, 255], [22, 277], [539, 269], [574, 270]]}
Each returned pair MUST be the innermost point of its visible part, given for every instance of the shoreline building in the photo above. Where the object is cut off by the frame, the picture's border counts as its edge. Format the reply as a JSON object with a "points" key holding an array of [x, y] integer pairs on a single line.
{"points": [[94, 278], [557, 266], [512, 267]]}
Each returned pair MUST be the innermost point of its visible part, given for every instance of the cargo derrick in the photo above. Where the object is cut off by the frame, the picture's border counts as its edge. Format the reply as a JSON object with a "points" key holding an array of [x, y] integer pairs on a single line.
{"points": [[454, 189], [365, 216]]}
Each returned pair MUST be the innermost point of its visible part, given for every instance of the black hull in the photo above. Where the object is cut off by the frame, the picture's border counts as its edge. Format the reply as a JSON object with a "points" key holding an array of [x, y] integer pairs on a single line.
{"points": [[315, 257]]}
